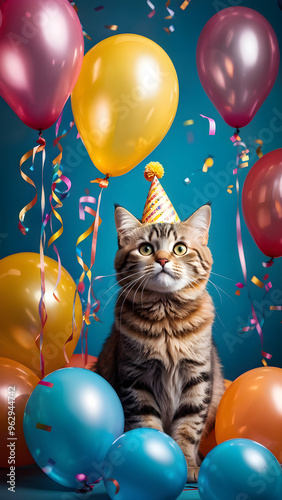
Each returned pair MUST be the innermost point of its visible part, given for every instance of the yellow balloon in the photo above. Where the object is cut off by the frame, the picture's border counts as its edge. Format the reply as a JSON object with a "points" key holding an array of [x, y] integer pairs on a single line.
{"points": [[20, 292], [124, 101]]}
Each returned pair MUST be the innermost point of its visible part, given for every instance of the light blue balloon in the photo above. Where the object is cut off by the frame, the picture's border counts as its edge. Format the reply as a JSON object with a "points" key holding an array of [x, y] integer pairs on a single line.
{"points": [[240, 469], [146, 464], [71, 419]]}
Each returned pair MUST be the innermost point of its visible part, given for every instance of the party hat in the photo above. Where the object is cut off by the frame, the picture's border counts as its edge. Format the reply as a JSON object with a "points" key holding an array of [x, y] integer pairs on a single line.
{"points": [[158, 207]]}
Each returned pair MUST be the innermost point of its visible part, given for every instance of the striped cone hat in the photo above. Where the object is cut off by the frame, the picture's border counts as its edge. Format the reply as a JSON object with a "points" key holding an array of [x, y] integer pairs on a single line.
{"points": [[158, 207]]}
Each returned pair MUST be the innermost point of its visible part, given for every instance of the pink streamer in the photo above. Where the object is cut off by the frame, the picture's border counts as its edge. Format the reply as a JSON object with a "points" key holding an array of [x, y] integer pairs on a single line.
{"points": [[212, 126]]}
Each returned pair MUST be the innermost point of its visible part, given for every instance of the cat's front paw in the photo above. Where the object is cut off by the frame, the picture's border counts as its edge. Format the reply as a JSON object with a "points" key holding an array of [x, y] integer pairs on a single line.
{"points": [[193, 473]]}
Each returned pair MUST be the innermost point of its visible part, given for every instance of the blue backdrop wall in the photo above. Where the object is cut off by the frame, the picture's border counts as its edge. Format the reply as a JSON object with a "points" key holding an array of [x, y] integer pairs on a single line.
{"points": [[182, 151]]}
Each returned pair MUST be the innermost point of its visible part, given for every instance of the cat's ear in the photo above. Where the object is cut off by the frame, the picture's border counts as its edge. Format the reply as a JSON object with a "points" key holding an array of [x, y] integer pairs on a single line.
{"points": [[125, 221], [200, 221]]}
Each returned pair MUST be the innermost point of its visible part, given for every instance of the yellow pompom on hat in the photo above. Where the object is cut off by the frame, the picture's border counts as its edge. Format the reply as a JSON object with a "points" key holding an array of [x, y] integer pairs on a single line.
{"points": [[158, 207]]}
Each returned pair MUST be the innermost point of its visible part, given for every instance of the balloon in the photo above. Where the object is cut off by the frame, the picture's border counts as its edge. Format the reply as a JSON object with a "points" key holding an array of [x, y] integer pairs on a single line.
{"points": [[20, 322], [69, 424], [124, 101], [146, 464], [252, 408], [17, 383], [262, 203], [240, 469], [209, 442], [237, 62], [78, 361], [41, 52]]}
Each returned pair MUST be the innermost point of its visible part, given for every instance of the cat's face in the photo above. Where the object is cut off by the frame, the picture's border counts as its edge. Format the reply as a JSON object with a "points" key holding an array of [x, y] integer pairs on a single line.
{"points": [[163, 257]]}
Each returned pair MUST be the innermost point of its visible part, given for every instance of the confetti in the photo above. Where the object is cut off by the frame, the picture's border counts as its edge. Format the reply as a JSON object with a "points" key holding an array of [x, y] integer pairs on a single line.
{"points": [[185, 4], [211, 124], [237, 292], [47, 384], [275, 308], [240, 285], [50, 464], [266, 276], [257, 282], [187, 181], [258, 150], [86, 36], [264, 362], [266, 355], [44, 427], [99, 8], [229, 188], [115, 482], [268, 286], [170, 29], [208, 164], [151, 5], [171, 12], [188, 122], [112, 27]]}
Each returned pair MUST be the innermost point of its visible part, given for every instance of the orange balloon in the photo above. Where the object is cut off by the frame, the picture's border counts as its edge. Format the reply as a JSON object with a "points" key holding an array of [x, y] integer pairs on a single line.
{"points": [[16, 383], [251, 408], [78, 361], [209, 442], [20, 322]]}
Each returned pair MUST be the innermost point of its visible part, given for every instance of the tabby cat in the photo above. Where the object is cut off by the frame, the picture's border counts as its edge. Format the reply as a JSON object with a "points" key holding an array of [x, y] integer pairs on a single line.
{"points": [[160, 356]]}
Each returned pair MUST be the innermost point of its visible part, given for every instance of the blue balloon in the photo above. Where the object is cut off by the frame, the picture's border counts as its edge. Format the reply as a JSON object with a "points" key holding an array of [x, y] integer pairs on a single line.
{"points": [[71, 419], [144, 464], [240, 469]]}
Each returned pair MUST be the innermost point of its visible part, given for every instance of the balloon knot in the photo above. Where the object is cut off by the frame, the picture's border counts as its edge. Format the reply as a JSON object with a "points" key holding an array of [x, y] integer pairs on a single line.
{"points": [[154, 168]]}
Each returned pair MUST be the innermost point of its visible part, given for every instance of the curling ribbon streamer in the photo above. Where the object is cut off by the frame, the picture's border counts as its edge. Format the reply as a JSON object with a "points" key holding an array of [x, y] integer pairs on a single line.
{"points": [[31, 153], [243, 157], [42, 306], [115, 482], [212, 126]]}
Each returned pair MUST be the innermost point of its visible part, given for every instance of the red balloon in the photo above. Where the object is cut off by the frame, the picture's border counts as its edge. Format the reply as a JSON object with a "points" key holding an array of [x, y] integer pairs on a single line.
{"points": [[262, 203], [41, 52], [238, 62]]}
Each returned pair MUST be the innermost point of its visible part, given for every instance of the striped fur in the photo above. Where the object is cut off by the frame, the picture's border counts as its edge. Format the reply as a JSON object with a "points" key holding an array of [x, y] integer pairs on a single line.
{"points": [[160, 356]]}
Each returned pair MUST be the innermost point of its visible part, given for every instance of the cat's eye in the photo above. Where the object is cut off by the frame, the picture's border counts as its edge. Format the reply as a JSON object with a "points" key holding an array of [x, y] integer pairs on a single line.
{"points": [[180, 249], [146, 249]]}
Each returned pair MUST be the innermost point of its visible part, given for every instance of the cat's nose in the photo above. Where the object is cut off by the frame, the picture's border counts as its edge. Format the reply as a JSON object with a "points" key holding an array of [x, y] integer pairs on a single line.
{"points": [[162, 262]]}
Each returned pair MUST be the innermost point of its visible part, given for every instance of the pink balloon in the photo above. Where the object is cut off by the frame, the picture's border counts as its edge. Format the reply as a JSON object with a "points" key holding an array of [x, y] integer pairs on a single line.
{"points": [[262, 203], [41, 52], [237, 61]]}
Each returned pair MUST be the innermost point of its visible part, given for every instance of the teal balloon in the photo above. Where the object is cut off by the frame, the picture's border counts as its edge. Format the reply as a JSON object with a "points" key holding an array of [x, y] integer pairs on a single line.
{"points": [[71, 419], [144, 464], [240, 469]]}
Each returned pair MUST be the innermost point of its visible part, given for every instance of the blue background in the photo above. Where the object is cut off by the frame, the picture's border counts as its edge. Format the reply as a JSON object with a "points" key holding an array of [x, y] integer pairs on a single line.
{"points": [[180, 156]]}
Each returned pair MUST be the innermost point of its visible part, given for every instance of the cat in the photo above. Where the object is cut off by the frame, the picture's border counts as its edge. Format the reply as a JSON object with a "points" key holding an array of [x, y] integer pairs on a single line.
{"points": [[160, 356]]}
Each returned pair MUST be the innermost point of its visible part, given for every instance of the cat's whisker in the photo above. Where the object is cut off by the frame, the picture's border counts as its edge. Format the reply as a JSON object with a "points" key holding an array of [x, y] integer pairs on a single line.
{"points": [[133, 300], [114, 295], [143, 291], [119, 281], [221, 276], [218, 287], [125, 289]]}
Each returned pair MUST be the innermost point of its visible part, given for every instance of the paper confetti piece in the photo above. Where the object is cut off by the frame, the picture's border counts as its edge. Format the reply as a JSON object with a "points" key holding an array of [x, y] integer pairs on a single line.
{"points": [[47, 384], [86, 35], [229, 188], [266, 355], [170, 29], [112, 27], [187, 180], [188, 122], [44, 427], [268, 286], [208, 164], [258, 150], [116, 485], [237, 292], [152, 7], [171, 12], [212, 125], [240, 285], [99, 8], [266, 276], [264, 362], [257, 282], [74, 6], [185, 4], [275, 308]]}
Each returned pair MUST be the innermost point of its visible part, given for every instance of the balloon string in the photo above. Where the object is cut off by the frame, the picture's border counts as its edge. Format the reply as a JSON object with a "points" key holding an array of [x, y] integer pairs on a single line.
{"points": [[243, 158]]}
